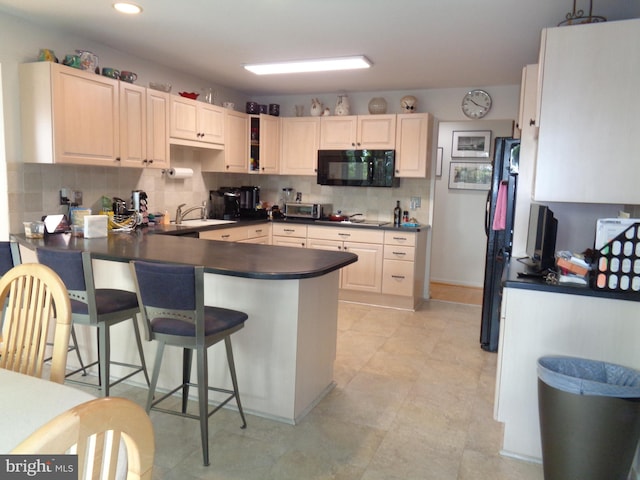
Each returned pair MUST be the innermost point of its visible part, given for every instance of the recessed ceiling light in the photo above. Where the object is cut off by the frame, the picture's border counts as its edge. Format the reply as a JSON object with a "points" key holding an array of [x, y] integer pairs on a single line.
{"points": [[318, 65], [129, 8]]}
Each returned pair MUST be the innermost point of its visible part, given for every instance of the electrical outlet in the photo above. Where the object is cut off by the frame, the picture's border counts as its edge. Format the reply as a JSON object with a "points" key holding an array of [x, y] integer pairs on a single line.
{"points": [[77, 197], [415, 202]]}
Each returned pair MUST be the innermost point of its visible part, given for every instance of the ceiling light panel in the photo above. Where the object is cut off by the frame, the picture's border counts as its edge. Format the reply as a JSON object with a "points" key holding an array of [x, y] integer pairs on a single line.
{"points": [[128, 8], [317, 65]]}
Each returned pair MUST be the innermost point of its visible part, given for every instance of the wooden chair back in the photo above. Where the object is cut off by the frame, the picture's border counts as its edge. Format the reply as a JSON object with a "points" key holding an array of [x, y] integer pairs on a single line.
{"points": [[34, 299], [94, 431]]}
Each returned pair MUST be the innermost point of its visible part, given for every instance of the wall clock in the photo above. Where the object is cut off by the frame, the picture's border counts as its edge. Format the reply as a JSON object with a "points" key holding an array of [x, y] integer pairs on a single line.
{"points": [[476, 104]]}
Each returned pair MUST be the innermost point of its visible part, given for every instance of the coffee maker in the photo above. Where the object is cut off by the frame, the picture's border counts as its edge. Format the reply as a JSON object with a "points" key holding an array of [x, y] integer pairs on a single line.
{"points": [[224, 203], [250, 206]]}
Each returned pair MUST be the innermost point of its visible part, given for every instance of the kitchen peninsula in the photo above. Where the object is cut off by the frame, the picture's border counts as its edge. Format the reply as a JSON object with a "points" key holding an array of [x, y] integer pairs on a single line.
{"points": [[284, 356]]}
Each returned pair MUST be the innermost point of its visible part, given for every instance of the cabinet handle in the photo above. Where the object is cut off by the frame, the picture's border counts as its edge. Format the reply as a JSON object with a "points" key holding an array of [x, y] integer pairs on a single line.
{"points": [[344, 234], [401, 277], [399, 253], [226, 236], [404, 239], [150, 161], [258, 231], [117, 159], [532, 122]]}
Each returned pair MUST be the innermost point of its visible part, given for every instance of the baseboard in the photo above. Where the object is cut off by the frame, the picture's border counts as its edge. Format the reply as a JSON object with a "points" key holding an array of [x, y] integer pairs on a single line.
{"points": [[455, 293]]}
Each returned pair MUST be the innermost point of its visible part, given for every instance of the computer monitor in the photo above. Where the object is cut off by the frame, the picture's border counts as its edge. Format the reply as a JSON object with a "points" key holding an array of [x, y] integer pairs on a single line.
{"points": [[541, 238]]}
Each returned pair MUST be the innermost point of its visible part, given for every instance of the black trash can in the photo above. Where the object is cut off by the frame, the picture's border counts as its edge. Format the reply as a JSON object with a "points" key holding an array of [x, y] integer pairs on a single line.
{"points": [[589, 418]]}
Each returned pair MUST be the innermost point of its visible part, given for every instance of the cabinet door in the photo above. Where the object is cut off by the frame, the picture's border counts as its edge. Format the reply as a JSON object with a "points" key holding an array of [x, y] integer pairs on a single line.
{"points": [[376, 132], [589, 115], [133, 125], [413, 144], [211, 123], [86, 117], [338, 133], [236, 149], [398, 278], [300, 139], [158, 110], [184, 118], [269, 144], [366, 274]]}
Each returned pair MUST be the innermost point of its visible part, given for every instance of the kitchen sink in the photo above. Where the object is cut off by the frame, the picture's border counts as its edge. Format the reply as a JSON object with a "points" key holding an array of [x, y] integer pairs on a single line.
{"points": [[201, 223]]}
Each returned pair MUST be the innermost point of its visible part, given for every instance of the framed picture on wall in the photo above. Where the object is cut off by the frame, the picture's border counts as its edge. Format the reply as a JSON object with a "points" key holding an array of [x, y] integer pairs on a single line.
{"points": [[474, 144], [470, 175]]}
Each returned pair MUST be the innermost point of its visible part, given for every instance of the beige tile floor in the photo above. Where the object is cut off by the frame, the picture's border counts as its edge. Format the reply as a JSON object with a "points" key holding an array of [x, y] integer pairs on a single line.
{"points": [[414, 400]]}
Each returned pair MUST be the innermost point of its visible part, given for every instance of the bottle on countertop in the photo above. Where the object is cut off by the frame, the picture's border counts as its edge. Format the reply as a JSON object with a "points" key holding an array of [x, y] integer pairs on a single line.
{"points": [[397, 214], [405, 216]]}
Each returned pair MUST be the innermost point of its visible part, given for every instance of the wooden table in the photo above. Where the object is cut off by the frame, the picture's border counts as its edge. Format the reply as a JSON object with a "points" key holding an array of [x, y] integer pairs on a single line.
{"points": [[28, 402]]}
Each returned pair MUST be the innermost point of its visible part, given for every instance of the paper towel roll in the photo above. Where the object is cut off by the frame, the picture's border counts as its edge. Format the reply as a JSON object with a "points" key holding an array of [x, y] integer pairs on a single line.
{"points": [[180, 172]]}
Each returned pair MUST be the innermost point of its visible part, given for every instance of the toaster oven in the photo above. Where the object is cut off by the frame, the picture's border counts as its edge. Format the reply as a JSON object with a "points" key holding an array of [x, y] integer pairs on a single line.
{"points": [[312, 211]]}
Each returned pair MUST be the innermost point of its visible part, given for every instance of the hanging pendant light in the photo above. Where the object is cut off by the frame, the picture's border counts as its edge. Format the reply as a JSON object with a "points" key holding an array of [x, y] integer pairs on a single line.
{"points": [[577, 17]]}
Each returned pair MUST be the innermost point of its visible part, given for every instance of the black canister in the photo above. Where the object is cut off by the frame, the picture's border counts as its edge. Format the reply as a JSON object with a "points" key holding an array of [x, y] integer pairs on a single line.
{"points": [[274, 109]]}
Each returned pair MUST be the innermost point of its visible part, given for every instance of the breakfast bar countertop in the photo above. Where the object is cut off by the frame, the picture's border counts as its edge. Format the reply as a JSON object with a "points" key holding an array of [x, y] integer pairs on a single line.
{"points": [[267, 262]]}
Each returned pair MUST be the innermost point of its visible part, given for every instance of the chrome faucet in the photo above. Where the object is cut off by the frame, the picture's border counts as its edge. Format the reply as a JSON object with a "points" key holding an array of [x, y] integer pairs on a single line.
{"points": [[180, 214]]}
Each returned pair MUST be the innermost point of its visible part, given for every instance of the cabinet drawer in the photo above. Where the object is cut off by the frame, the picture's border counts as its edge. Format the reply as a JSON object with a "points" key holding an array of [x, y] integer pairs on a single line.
{"points": [[397, 278], [399, 252], [288, 241], [400, 238], [346, 234], [258, 231], [321, 244], [289, 230], [226, 234]]}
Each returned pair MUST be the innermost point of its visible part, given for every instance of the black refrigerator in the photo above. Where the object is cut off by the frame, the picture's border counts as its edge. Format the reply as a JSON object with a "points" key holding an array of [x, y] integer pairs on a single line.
{"points": [[498, 226]]}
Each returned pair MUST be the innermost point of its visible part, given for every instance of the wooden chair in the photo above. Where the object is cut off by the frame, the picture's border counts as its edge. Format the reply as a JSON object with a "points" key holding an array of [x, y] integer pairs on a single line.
{"points": [[33, 295], [94, 431], [171, 298]]}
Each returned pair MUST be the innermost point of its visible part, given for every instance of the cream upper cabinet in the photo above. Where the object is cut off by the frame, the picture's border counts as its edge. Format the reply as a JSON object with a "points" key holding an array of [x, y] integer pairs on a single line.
{"points": [[158, 111], [414, 137], [266, 143], [236, 148], [358, 132], [144, 127], [300, 140], [133, 125], [68, 115], [588, 114], [199, 122]]}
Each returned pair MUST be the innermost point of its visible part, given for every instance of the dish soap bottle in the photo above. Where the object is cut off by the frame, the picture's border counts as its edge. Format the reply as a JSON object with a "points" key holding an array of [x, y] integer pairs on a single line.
{"points": [[397, 214]]}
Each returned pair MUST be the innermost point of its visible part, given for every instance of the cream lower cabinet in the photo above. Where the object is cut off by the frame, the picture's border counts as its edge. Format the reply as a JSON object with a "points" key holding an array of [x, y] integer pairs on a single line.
{"points": [[243, 234], [68, 115], [366, 274], [289, 235], [299, 148], [404, 264]]}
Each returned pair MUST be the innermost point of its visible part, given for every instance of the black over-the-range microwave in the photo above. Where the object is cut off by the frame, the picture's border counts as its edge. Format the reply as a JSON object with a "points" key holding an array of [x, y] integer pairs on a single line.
{"points": [[357, 168]]}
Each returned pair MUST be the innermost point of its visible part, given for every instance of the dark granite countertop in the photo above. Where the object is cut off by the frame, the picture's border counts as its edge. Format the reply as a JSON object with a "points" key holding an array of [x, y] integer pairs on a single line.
{"points": [[247, 260], [511, 280]]}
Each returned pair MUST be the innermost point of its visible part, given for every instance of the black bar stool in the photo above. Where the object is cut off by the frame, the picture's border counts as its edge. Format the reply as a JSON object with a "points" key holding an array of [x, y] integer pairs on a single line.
{"points": [[96, 307], [172, 306]]}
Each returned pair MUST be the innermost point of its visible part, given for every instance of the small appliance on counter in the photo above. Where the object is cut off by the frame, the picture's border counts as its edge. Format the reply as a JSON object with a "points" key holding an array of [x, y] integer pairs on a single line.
{"points": [[311, 211], [139, 204], [232, 203]]}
